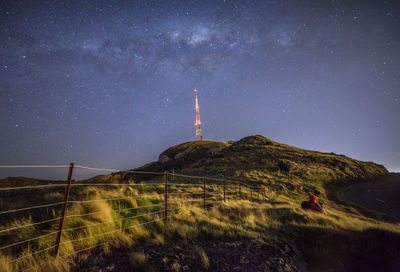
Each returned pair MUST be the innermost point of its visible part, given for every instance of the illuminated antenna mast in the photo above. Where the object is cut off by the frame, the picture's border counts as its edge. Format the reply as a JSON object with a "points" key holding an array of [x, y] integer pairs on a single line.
{"points": [[199, 135]]}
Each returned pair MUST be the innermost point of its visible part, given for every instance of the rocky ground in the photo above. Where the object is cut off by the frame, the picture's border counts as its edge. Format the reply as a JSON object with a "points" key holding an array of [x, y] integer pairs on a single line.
{"points": [[240, 255]]}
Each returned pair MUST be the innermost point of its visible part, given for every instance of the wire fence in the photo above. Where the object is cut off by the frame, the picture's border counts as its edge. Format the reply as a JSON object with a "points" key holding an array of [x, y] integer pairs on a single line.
{"points": [[95, 208]]}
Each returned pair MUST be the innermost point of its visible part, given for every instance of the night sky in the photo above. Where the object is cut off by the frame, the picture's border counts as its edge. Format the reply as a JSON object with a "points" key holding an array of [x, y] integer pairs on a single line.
{"points": [[110, 83]]}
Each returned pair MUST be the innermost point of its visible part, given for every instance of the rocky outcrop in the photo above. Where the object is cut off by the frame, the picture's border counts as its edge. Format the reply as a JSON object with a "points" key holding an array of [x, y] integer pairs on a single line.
{"points": [[240, 255]]}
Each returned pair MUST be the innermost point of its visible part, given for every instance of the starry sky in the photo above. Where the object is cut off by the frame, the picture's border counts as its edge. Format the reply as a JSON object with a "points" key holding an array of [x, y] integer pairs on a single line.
{"points": [[110, 83]]}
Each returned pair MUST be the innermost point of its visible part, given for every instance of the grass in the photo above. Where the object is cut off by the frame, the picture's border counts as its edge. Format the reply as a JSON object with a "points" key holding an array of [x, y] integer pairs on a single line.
{"points": [[319, 236], [101, 219], [349, 237]]}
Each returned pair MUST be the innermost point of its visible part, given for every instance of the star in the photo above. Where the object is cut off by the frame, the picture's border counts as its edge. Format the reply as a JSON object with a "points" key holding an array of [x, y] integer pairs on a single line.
{"points": [[96, 74]]}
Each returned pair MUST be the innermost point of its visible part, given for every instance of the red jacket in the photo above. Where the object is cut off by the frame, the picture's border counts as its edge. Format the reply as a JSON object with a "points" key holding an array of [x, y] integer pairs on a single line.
{"points": [[312, 203]]}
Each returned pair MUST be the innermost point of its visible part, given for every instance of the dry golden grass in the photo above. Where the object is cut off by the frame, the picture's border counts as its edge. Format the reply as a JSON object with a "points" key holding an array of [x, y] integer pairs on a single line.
{"points": [[231, 219], [287, 173], [234, 219]]}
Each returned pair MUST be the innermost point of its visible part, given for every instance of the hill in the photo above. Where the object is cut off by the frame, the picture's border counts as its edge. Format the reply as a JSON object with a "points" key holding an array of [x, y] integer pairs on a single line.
{"points": [[268, 233], [346, 239], [256, 159]]}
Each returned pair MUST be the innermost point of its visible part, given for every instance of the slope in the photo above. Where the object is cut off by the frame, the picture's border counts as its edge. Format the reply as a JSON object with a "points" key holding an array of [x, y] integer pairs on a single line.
{"points": [[256, 159]]}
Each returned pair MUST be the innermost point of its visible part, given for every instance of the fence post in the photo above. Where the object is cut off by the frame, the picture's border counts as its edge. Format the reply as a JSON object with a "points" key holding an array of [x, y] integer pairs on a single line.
{"points": [[223, 182], [165, 195], [204, 193], [64, 207]]}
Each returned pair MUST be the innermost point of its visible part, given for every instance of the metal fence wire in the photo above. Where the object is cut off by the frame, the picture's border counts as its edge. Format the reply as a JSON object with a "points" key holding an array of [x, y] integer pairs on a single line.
{"points": [[133, 200]]}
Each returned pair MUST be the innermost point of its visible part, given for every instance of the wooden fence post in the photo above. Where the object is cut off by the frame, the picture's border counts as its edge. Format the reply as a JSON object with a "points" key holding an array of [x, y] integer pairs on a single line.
{"points": [[224, 189], [165, 195], [64, 207], [204, 193]]}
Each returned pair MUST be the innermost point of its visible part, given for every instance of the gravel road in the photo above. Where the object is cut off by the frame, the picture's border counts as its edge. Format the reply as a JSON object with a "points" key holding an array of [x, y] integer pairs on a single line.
{"points": [[382, 194]]}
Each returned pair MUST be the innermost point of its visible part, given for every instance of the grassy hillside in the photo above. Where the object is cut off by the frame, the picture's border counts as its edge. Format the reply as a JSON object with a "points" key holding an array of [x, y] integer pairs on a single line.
{"points": [[261, 158], [256, 159], [270, 234]]}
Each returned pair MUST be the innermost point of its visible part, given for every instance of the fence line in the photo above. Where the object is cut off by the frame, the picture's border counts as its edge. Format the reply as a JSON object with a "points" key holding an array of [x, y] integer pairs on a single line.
{"points": [[210, 195], [109, 184], [34, 166], [161, 173], [105, 233], [110, 232], [126, 218], [135, 216], [33, 253], [114, 211], [116, 184], [112, 221], [117, 170], [32, 224], [30, 208], [93, 184], [109, 199], [100, 212], [97, 245], [31, 187], [28, 240]]}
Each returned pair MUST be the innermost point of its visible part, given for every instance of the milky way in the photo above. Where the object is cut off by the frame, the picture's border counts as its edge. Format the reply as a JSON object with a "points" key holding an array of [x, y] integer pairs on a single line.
{"points": [[110, 83]]}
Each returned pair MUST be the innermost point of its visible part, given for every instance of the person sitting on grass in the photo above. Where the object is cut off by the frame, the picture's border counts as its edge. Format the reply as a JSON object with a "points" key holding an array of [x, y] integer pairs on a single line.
{"points": [[313, 204]]}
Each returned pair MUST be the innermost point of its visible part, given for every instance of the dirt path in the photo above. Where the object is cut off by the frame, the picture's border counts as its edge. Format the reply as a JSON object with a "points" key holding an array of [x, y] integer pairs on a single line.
{"points": [[382, 194]]}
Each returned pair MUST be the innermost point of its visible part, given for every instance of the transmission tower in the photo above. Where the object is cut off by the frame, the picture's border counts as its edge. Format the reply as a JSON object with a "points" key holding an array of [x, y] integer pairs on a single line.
{"points": [[199, 135]]}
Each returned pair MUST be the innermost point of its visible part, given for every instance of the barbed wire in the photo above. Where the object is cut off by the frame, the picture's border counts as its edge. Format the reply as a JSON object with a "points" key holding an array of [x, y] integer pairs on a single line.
{"points": [[114, 211], [185, 184], [87, 248], [28, 240], [34, 166], [30, 208], [117, 184], [114, 220], [112, 199], [109, 232], [215, 179], [31, 187], [107, 242], [207, 201], [31, 254], [79, 184], [32, 224], [102, 234], [136, 216], [131, 197], [118, 170]]}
